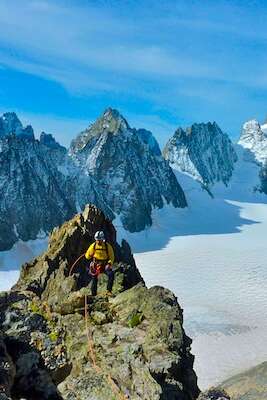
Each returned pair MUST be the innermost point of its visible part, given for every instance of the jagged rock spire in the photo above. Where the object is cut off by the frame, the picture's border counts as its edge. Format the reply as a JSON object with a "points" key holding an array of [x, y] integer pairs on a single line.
{"points": [[202, 151], [10, 124]]}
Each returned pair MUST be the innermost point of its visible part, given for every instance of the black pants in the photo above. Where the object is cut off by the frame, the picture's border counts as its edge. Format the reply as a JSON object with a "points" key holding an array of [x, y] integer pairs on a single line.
{"points": [[94, 279]]}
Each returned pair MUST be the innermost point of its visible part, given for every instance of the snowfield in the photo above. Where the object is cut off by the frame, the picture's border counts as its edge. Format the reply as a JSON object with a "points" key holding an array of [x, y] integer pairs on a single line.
{"points": [[221, 283], [10, 261], [213, 256]]}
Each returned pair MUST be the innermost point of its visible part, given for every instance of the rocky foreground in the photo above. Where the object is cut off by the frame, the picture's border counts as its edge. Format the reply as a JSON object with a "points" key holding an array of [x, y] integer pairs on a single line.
{"points": [[129, 346], [249, 385]]}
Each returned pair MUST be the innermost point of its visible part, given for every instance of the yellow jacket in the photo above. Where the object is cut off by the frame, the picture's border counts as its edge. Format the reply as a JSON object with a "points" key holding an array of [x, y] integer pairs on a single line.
{"points": [[100, 251]]}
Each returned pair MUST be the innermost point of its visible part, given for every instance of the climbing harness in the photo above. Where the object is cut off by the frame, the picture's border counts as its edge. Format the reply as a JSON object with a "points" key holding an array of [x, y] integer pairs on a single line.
{"points": [[96, 269]]}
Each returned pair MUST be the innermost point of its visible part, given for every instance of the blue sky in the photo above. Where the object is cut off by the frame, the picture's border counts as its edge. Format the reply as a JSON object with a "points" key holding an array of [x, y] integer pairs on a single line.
{"points": [[161, 65]]}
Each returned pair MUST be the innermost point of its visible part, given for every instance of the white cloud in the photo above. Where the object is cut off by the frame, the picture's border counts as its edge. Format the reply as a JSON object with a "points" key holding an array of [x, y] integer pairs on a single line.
{"points": [[80, 46], [171, 55]]}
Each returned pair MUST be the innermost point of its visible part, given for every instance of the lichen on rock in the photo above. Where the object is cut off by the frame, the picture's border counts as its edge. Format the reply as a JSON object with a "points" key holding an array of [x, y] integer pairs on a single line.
{"points": [[62, 343]]}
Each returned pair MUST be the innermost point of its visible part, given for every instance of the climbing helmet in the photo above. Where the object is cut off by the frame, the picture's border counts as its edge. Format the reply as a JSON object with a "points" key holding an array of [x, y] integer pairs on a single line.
{"points": [[99, 235]]}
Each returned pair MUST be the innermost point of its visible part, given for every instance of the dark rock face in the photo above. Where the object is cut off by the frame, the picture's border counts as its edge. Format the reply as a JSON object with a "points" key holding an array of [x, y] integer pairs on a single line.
{"points": [[10, 124], [7, 369], [111, 165], [149, 139], [131, 345], [204, 152], [214, 394], [32, 190], [48, 140], [263, 178], [132, 178]]}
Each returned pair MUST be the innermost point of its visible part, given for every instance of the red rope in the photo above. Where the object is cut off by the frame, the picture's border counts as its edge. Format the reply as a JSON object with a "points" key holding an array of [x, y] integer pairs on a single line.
{"points": [[73, 265], [114, 387]]}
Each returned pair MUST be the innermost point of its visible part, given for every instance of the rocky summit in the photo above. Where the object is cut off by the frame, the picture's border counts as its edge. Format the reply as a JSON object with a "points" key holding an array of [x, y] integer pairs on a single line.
{"points": [[10, 124], [202, 151], [59, 342], [253, 140], [118, 168], [128, 169]]}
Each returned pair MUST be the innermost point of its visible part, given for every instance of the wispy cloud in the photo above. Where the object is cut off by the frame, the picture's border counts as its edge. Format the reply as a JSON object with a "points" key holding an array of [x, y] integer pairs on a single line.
{"points": [[71, 44], [194, 58]]}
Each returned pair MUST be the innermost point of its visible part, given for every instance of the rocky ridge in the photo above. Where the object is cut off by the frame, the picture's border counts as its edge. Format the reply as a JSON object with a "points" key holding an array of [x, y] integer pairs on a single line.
{"points": [[253, 140], [204, 152], [10, 124], [32, 189], [128, 165], [118, 168], [133, 345], [249, 385]]}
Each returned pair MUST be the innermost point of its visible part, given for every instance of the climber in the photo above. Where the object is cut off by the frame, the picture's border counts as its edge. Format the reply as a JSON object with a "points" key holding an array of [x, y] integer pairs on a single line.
{"points": [[101, 255]]}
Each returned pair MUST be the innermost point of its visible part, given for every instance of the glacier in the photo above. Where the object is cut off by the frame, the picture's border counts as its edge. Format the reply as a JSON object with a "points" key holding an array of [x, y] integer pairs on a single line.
{"points": [[212, 255]]}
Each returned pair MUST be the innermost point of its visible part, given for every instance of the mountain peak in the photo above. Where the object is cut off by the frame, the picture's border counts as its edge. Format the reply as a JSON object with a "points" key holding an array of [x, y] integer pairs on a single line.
{"points": [[253, 138], [203, 151], [53, 336], [48, 140], [11, 116], [251, 133], [112, 121], [10, 124], [111, 112]]}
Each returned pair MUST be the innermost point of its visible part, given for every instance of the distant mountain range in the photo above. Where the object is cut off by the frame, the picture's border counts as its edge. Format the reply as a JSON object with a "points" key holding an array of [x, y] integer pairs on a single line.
{"points": [[118, 168]]}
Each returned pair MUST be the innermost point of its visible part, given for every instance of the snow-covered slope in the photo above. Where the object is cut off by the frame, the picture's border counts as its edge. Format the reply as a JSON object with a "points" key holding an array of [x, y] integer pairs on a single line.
{"points": [[127, 169], [213, 256], [203, 151]]}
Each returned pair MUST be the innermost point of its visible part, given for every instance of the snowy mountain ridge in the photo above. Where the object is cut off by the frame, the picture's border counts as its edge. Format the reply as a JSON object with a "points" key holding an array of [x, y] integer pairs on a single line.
{"points": [[133, 175], [202, 151], [118, 168], [111, 165], [254, 138]]}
